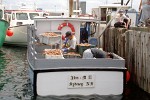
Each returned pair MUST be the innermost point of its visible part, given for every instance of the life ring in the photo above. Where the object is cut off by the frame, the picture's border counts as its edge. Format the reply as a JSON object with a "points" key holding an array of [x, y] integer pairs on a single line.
{"points": [[66, 24]]}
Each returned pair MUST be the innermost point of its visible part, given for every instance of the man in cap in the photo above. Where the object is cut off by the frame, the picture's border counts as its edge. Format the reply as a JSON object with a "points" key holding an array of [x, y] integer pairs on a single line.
{"points": [[70, 42], [122, 19]]}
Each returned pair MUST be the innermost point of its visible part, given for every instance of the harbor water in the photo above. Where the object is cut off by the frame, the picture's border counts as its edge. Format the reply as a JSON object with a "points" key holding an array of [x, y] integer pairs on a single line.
{"points": [[15, 82]]}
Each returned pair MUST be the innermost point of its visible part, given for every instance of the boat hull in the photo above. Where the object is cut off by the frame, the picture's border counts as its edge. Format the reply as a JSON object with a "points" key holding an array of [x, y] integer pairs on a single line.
{"points": [[3, 27], [77, 81], [19, 36]]}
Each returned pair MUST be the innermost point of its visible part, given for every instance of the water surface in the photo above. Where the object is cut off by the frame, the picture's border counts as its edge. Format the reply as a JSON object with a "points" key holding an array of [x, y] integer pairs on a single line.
{"points": [[15, 83]]}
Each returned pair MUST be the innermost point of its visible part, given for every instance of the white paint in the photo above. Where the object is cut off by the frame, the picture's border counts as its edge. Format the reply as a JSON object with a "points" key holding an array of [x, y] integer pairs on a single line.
{"points": [[52, 26], [56, 83]]}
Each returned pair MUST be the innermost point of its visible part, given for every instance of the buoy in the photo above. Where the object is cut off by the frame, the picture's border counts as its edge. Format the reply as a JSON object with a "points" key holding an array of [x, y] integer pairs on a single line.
{"points": [[127, 76], [67, 24], [9, 33]]}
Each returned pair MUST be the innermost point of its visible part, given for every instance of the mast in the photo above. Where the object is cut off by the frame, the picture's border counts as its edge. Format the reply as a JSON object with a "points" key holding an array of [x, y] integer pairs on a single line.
{"points": [[70, 8], [121, 2], [77, 6]]}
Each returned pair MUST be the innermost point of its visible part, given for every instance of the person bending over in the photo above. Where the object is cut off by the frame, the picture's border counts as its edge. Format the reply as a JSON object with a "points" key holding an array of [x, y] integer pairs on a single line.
{"points": [[96, 53]]}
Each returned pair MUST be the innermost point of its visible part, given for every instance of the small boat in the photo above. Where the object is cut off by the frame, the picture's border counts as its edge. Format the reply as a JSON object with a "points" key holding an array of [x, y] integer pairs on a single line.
{"points": [[71, 75], [3, 26], [18, 20]]}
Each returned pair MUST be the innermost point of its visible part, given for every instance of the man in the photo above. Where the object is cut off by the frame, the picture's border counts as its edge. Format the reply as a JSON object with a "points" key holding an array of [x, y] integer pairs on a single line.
{"points": [[96, 53], [144, 12], [122, 20], [70, 42]]}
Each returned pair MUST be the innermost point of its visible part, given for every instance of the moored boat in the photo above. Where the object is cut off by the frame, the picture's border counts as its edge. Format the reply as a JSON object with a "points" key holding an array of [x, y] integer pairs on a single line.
{"points": [[71, 75], [3, 26], [18, 20]]}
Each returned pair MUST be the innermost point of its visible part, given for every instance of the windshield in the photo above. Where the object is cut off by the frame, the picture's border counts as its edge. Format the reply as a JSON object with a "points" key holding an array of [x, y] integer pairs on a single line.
{"points": [[32, 15], [21, 16]]}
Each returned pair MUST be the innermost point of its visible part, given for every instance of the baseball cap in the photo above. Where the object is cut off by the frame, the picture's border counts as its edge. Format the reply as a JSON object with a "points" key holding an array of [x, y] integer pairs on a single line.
{"points": [[121, 11], [68, 33]]}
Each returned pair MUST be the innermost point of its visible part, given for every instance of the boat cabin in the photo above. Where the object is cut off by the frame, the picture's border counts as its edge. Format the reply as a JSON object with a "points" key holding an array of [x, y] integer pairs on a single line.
{"points": [[21, 17]]}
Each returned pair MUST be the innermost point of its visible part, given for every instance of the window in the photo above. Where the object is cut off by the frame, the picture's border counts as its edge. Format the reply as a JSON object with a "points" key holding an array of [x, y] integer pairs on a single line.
{"points": [[13, 16], [32, 15], [21, 16]]}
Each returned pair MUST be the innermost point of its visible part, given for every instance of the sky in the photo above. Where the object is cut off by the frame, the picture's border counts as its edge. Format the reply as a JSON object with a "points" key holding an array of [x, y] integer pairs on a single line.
{"points": [[61, 5]]}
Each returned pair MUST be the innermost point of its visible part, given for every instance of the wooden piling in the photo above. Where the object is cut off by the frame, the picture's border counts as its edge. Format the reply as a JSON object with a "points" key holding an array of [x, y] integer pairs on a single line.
{"points": [[134, 46]]}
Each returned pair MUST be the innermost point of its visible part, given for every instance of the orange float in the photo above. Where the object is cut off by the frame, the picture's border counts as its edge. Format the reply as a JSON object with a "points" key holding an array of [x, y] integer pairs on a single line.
{"points": [[9, 33], [127, 76]]}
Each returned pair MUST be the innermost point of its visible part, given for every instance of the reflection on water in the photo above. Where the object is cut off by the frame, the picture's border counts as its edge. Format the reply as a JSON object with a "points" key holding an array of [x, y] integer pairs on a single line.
{"points": [[90, 97], [15, 83]]}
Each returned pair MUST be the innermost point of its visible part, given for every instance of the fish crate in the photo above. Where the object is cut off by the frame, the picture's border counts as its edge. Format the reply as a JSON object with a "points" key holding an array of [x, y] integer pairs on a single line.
{"points": [[50, 38], [72, 55], [82, 47], [53, 54]]}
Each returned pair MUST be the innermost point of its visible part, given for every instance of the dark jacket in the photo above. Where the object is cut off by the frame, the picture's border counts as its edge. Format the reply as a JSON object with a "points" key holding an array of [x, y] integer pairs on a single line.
{"points": [[97, 53]]}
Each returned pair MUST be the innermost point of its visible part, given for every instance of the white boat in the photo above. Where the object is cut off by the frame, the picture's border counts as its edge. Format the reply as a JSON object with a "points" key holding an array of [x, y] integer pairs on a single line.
{"points": [[71, 76], [18, 20]]}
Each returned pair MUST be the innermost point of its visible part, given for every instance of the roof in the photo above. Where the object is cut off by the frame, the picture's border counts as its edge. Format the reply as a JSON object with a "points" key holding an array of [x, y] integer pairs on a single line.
{"points": [[114, 6]]}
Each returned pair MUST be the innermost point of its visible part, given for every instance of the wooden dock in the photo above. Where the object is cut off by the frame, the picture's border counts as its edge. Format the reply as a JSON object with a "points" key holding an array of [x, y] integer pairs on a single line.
{"points": [[134, 46]]}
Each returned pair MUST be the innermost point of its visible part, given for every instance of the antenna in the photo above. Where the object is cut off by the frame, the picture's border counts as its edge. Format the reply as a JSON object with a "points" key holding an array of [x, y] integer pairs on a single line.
{"points": [[34, 5], [106, 1], [128, 2]]}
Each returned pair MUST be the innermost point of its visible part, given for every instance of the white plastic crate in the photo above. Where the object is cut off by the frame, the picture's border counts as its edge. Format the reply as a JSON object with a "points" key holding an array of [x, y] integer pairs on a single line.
{"points": [[50, 56], [50, 39], [54, 56]]}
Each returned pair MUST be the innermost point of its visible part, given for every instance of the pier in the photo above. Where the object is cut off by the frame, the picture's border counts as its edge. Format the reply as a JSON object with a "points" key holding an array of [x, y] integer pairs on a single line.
{"points": [[134, 46]]}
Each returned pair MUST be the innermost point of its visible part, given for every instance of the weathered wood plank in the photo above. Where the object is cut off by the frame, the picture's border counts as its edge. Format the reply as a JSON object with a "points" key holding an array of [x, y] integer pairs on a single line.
{"points": [[138, 57], [142, 29], [127, 50], [143, 55], [147, 72]]}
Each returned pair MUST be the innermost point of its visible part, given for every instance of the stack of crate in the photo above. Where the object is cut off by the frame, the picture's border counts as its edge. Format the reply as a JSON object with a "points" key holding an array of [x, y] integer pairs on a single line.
{"points": [[53, 40], [50, 38]]}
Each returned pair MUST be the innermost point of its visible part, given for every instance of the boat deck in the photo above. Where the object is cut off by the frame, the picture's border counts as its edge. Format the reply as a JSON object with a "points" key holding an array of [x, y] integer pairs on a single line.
{"points": [[39, 62]]}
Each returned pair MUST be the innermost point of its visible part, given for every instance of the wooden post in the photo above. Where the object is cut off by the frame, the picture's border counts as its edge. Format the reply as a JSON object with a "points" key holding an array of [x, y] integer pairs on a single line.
{"points": [[134, 46]]}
